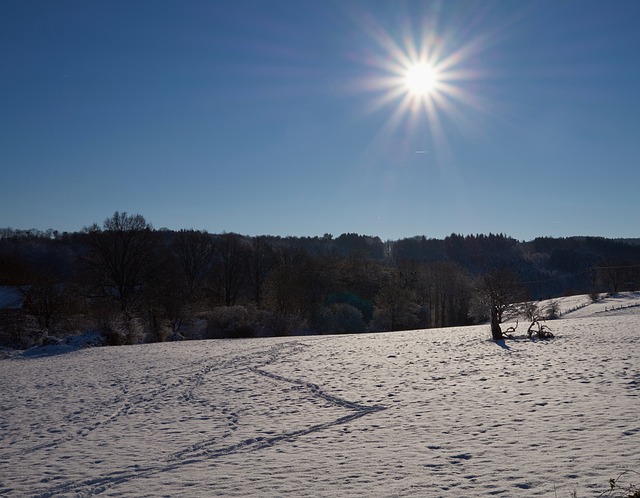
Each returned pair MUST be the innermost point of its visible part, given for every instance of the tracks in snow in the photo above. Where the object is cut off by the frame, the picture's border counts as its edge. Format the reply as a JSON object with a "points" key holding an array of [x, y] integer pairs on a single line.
{"points": [[210, 448]]}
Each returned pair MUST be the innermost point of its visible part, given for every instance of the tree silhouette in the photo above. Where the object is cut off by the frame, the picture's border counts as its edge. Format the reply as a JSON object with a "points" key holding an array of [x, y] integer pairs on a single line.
{"points": [[121, 256]]}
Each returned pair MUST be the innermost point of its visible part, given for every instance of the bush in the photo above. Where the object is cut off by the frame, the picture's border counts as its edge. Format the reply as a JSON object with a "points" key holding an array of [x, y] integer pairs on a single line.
{"points": [[118, 331], [594, 296], [618, 489], [283, 324], [530, 310], [552, 311], [18, 330], [234, 322], [340, 318]]}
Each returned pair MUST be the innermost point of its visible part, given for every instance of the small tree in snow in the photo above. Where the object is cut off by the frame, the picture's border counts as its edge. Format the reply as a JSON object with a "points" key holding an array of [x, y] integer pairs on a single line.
{"points": [[498, 290]]}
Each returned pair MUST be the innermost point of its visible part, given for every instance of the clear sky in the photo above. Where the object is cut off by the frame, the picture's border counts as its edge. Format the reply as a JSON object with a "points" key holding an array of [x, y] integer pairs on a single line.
{"points": [[301, 117]]}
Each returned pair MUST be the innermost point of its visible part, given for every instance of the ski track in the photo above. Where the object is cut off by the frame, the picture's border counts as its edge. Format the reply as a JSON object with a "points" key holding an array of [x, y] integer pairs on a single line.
{"points": [[420, 413]]}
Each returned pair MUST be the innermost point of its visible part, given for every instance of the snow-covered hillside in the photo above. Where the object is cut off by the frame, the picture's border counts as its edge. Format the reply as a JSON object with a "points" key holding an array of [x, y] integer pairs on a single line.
{"points": [[429, 413]]}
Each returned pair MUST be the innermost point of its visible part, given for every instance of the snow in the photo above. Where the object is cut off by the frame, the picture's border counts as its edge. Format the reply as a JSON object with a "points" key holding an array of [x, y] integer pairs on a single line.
{"points": [[441, 412]]}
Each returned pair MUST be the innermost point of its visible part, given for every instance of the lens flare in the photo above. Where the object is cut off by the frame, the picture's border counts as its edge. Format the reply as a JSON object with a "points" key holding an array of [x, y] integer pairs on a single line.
{"points": [[425, 73], [421, 79]]}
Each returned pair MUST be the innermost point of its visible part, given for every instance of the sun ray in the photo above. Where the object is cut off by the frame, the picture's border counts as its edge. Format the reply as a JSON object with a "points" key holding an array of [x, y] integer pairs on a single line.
{"points": [[424, 72]]}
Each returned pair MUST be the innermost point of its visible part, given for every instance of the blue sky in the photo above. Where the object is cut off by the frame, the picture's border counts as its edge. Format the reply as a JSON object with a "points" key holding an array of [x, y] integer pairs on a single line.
{"points": [[292, 117]]}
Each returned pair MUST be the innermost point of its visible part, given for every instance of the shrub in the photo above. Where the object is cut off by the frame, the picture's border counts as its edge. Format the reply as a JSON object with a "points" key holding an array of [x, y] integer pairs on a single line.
{"points": [[233, 322], [340, 318], [594, 296], [552, 311], [120, 330]]}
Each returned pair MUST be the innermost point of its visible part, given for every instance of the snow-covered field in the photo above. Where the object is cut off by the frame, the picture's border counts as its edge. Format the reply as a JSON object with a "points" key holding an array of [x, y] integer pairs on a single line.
{"points": [[443, 412]]}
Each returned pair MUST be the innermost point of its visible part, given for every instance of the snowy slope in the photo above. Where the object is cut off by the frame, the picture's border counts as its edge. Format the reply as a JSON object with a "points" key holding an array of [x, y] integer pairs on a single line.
{"points": [[443, 412]]}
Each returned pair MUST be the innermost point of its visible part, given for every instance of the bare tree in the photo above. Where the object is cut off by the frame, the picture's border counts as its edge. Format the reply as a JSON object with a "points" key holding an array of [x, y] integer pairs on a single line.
{"points": [[261, 261], [445, 289], [617, 278], [232, 252], [499, 290], [43, 300], [300, 285], [195, 252], [282, 290], [121, 258], [396, 307]]}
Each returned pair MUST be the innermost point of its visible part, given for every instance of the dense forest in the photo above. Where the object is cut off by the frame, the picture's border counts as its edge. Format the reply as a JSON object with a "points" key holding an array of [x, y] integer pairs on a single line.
{"points": [[133, 283]]}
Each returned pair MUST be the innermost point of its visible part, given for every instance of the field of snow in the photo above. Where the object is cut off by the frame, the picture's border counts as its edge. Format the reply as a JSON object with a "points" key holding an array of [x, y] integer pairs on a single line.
{"points": [[442, 412]]}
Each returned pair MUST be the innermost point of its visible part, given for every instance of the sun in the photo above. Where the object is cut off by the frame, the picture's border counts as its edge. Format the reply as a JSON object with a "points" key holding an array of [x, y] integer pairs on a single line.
{"points": [[421, 79], [425, 70]]}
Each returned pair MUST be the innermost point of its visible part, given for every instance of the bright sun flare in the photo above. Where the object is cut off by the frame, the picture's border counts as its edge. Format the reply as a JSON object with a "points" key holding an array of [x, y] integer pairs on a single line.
{"points": [[421, 79], [420, 72]]}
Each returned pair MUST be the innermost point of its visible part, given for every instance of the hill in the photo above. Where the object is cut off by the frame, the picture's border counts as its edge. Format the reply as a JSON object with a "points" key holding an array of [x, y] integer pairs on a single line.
{"points": [[438, 412]]}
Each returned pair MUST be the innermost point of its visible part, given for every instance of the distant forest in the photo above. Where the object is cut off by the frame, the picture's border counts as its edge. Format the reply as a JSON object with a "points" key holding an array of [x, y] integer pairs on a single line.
{"points": [[133, 283]]}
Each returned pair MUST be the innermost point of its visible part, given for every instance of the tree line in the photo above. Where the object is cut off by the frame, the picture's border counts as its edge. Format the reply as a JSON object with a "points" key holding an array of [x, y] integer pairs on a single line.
{"points": [[134, 283]]}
